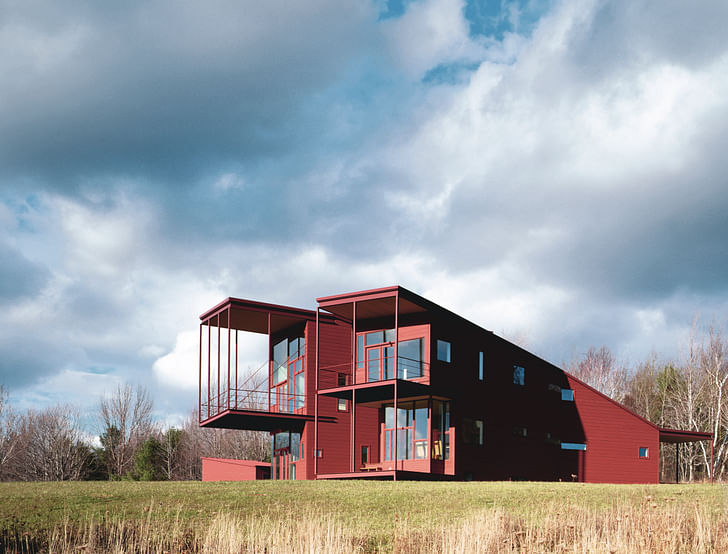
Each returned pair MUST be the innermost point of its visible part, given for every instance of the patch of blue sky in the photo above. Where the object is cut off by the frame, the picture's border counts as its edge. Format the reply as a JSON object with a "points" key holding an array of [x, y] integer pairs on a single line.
{"points": [[393, 8], [495, 18], [450, 73]]}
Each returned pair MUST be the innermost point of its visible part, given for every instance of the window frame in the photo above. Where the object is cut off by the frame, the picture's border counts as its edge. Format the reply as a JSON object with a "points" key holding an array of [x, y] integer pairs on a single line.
{"points": [[447, 354]]}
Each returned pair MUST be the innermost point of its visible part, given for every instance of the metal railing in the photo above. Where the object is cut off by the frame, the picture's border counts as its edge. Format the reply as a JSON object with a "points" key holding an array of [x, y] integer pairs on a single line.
{"points": [[255, 400], [341, 375]]}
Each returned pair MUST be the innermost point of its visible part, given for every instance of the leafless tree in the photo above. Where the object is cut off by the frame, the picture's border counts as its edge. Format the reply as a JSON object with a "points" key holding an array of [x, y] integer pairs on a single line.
{"points": [[126, 419], [599, 369], [8, 433], [50, 446]]}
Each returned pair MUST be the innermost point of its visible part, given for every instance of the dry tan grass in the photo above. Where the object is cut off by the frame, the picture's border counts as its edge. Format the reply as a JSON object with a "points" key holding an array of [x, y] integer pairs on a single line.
{"points": [[556, 527]]}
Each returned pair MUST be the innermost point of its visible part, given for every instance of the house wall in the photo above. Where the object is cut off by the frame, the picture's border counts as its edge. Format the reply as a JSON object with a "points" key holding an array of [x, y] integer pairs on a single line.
{"points": [[222, 469], [614, 436]]}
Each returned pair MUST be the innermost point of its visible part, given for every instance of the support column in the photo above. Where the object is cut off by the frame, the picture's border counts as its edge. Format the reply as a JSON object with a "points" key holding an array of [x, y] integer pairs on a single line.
{"points": [[228, 359], [396, 430], [217, 398], [316, 398], [711, 461], [353, 430], [199, 375], [677, 462], [270, 363]]}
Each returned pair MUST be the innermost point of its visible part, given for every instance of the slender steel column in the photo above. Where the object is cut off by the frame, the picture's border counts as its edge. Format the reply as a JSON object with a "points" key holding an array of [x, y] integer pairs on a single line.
{"points": [[228, 359], [316, 398], [217, 400], [199, 376], [353, 430]]}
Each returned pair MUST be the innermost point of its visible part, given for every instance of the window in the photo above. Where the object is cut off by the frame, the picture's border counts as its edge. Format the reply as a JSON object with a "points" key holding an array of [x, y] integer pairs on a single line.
{"points": [[520, 431], [473, 431], [573, 446], [343, 405], [644, 452], [550, 439], [411, 428], [519, 375], [440, 430], [481, 368], [375, 356], [364, 454], [443, 351], [567, 394]]}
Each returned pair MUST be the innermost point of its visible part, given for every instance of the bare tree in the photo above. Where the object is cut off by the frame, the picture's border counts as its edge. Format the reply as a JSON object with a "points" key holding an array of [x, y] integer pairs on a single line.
{"points": [[599, 369], [51, 446], [126, 418], [8, 433]]}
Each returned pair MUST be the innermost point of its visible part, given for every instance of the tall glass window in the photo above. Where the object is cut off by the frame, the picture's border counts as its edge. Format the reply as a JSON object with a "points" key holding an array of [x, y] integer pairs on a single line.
{"points": [[288, 388], [481, 366], [519, 375], [440, 430], [444, 353], [412, 430]]}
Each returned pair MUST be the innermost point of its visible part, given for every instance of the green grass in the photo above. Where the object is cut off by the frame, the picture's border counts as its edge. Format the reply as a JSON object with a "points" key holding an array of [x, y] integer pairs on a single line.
{"points": [[372, 509]]}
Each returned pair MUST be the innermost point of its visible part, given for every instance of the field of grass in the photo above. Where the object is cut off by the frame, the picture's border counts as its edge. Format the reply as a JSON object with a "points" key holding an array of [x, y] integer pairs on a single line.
{"points": [[361, 516]]}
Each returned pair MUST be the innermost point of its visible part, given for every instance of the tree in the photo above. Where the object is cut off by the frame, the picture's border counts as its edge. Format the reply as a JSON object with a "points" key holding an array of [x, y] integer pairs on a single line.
{"points": [[170, 451], [598, 369], [126, 418], [148, 462], [8, 433], [50, 446]]}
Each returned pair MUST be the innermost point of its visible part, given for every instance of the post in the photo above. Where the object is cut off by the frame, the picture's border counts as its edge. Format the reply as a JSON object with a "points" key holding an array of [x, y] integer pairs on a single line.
{"points": [[199, 375], [209, 365], [712, 467], [228, 359], [354, 346], [217, 399], [677, 462], [270, 363], [353, 430], [316, 397]]}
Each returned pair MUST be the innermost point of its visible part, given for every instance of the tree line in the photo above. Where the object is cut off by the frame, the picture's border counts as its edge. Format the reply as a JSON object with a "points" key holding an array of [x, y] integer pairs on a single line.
{"points": [[50, 444]]}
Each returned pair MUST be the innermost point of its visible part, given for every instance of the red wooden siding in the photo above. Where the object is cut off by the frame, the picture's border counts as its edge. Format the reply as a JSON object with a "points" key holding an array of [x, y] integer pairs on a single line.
{"points": [[224, 469], [614, 436]]}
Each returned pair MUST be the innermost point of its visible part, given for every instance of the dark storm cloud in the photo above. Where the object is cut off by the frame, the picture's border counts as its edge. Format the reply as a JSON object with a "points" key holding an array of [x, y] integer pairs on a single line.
{"points": [[165, 88]]}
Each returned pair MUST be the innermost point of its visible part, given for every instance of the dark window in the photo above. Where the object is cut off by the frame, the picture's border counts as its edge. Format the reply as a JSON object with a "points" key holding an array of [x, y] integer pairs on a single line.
{"points": [[444, 353], [520, 431], [364, 454], [473, 431], [519, 375]]}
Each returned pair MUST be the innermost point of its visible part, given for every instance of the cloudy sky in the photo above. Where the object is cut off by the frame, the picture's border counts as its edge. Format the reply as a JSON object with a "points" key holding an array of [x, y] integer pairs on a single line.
{"points": [[554, 171]]}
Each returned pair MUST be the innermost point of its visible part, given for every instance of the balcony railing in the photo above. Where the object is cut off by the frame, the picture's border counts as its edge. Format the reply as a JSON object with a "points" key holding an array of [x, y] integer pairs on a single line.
{"points": [[341, 375], [249, 400]]}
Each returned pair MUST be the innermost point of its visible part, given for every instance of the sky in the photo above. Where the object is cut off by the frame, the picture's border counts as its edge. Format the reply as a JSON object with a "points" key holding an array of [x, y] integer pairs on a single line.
{"points": [[554, 171]]}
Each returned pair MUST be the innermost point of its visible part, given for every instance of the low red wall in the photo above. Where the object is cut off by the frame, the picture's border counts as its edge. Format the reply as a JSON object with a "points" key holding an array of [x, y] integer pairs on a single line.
{"points": [[224, 469]]}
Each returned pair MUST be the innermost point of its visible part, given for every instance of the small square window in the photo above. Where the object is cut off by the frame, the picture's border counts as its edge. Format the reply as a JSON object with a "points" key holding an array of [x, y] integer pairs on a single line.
{"points": [[567, 394], [519, 375], [644, 452], [443, 351], [343, 405]]}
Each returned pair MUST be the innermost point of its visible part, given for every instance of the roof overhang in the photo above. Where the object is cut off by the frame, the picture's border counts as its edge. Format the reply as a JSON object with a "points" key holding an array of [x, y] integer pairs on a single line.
{"points": [[255, 317], [375, 303], [675, 435]]}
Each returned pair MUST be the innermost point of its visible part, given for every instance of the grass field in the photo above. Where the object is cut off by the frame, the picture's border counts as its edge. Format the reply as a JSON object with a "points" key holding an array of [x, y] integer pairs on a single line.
{"points": [[360, 516]]}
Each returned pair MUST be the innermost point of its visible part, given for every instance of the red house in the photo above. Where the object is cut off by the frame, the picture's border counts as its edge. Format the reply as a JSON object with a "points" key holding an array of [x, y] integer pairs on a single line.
{"points": [[387, 384]]}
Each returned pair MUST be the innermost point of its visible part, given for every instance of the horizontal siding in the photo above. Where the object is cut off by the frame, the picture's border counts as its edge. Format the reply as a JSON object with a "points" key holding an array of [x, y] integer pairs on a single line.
{"points": [[614, 436]]}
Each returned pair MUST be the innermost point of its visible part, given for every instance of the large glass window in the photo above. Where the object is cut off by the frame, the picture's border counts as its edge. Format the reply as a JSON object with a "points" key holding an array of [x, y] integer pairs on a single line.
{"points": [[288, 390], [375, 352], [412, 430]]}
